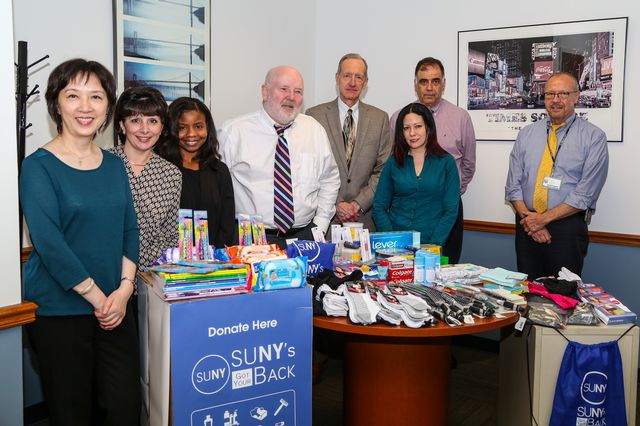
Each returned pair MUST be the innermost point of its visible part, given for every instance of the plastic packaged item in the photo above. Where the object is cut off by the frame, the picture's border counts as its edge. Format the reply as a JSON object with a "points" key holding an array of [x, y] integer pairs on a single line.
{"points": [[432, 267], [254, 261], [282, 274], [185, 234], [383, 269], [365, 245], [221, 255], [355, 228], [426, 267], [386, 253], [351, 252], [201, 232], [244, 229], [544, 312], [583, 314], [433, 248], [257, 228], [336, 233]]}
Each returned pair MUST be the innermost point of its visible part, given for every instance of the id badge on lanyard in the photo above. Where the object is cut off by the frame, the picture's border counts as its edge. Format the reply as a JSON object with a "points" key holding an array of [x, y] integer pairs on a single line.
{"points": [[553, 183]]}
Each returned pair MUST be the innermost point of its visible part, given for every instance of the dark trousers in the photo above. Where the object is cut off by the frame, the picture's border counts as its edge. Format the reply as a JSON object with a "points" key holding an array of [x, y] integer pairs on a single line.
{"points": [[89, 376], [568, 248], [279, 238], [453, 247]]}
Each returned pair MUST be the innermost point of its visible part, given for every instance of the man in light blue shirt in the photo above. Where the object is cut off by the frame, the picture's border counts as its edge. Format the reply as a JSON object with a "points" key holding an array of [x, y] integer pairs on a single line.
{"points": [[554, 204]]}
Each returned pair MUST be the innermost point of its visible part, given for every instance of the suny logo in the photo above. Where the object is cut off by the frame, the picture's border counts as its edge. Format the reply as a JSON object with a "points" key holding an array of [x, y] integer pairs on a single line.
{"points": [[594, 387], [311, 249], [210, 374]]}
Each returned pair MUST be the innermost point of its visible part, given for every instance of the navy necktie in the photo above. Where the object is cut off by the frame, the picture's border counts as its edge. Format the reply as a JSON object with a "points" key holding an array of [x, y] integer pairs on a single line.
{"points": [[283, 216]]}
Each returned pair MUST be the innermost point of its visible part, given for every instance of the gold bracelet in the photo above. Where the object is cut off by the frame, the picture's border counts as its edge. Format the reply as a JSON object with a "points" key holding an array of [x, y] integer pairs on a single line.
{"points": [[133, 283], [88, 288]]}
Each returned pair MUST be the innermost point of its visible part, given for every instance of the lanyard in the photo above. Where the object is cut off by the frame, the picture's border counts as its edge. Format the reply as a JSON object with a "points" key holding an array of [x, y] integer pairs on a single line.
{"points": [[553, 157]]}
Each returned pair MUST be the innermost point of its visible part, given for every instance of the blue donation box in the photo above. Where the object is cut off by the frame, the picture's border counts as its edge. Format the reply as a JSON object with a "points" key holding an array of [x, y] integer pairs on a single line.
{"points": [[242, 360]]}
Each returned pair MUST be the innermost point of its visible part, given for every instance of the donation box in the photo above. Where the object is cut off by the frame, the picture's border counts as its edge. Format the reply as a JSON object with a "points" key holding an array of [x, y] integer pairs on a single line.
{"points": [[234, 360]]}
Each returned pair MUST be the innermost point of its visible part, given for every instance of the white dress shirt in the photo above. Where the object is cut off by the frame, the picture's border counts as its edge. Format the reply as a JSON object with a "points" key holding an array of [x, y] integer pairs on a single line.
{"points": [[248, 145]]}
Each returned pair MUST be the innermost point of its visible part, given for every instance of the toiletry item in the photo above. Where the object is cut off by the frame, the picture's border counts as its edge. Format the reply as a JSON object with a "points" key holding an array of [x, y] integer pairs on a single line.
{"points": [[282, 274]]}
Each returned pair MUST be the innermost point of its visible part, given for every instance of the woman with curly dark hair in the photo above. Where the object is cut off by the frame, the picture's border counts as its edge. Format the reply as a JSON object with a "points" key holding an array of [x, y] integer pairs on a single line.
{"points": [[206, 183]]}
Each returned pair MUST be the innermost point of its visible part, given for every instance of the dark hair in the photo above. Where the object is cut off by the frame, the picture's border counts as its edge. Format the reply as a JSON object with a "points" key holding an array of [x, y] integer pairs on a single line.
{"points": [[400, 148], [208, 154], [140, 100], [428, 62], [70, 70]]}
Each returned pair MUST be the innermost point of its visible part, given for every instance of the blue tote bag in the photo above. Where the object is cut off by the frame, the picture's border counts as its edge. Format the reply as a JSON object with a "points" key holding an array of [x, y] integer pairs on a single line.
{"points": [[590, 387]]}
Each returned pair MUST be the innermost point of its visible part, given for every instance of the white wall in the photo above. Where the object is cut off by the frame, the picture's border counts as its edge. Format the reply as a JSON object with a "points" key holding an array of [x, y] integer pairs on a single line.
{"points": [[248, 38], [63, 30], [10, 247], [395, 37]]}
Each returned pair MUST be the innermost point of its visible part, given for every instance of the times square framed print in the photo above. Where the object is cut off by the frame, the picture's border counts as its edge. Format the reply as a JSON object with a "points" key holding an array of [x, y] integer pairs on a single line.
{"points": [[164, 44], [502, 74]]}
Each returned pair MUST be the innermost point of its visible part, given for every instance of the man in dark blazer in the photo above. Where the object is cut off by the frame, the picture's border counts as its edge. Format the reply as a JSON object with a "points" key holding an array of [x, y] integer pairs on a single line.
{"points": [[360, 141]]}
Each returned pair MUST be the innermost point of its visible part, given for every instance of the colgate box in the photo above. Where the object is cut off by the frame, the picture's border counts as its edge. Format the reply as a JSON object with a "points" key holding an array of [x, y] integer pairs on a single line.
{"points": [[400, 269], [392, 240]]}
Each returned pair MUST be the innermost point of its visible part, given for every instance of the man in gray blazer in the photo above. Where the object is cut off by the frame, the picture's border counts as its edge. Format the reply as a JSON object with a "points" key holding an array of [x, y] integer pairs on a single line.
{"points": [[360, 141]]}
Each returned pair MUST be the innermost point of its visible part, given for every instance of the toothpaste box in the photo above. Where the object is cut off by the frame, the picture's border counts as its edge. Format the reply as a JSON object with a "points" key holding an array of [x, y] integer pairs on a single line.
{"points": [[400, 270], [393, 240]]}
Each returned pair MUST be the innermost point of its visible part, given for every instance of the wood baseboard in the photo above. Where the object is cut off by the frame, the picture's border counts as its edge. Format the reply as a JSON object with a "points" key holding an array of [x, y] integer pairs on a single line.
{"points": [[594, 236], [17, 315]]}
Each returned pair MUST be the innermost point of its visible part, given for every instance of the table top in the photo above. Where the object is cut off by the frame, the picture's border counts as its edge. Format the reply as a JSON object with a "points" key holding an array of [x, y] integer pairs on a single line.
{"points": [[344, 325]]}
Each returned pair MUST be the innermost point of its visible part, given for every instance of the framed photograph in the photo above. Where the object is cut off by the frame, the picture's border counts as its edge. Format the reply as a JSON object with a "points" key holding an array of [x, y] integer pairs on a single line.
{"points": [[502, 74], [164, 44]]}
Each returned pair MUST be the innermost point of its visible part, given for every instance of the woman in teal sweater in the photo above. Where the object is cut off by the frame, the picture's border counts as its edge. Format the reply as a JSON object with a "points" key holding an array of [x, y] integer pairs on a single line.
{"points": [[419, 187], [78, 207]]}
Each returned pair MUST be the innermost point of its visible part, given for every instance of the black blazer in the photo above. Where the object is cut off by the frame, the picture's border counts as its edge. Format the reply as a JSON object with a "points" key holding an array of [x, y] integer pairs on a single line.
{"points": [[216, 197]]}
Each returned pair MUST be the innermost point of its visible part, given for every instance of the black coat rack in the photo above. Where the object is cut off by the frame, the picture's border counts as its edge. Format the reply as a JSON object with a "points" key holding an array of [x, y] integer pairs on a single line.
{"points": [[22, 96]]}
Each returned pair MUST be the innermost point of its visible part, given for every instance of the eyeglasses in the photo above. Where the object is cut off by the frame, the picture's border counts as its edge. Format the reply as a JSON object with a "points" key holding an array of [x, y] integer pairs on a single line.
{"points": [[560, 95]]}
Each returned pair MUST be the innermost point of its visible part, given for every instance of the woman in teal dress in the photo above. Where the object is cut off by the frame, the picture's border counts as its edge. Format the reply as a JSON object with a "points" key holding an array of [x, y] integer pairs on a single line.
{"points": [[419, 187]]}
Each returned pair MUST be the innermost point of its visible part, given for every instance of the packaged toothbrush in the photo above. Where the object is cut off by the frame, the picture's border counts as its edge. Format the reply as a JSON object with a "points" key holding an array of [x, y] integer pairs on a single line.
{"points": [[244, 229], [365, 245], [185, 236], [201, 231], [336, 233], [257, 226]]}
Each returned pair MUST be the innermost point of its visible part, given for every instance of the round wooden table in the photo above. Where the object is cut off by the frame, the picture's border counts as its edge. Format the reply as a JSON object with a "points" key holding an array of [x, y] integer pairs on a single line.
{"points": [[399, 375]]}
